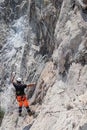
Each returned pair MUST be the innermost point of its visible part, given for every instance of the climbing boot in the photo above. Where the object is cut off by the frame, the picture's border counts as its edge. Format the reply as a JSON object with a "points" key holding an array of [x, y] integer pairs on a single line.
{"points": [[19, 114], [30, 113]]}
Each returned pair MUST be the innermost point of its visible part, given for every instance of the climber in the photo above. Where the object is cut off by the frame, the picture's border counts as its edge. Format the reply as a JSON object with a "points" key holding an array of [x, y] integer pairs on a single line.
{"points": [[20, 94]]}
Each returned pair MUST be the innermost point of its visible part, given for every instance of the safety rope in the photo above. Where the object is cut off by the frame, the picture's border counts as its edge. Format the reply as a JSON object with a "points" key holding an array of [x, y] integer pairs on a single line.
{"points": [[59, 111], [66, 110], [14, 108]]}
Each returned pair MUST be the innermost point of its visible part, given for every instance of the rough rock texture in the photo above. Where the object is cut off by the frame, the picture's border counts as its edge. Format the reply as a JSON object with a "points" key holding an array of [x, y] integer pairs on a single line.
{"points": [[27, 42], [64, 106], [46, 80], [43, 19], [70, 49], [55, 56], [12, 9]]}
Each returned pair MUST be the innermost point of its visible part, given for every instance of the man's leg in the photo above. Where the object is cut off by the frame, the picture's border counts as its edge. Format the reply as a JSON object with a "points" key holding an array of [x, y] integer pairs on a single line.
{"points": [[20, 103], [27, 107], [20, 110]]}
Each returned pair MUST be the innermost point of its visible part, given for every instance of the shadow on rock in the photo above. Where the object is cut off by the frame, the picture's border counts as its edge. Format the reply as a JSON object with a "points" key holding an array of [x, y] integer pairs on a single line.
{"points": [[28, 126], [84, 14], [84, 127]]}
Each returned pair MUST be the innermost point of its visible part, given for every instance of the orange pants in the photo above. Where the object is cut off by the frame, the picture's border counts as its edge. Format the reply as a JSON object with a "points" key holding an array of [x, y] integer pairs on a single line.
{"points": [[22, 100]]}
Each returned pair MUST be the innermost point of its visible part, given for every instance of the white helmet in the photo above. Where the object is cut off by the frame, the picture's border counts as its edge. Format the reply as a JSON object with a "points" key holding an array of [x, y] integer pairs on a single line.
{"points": [[19, 79]]}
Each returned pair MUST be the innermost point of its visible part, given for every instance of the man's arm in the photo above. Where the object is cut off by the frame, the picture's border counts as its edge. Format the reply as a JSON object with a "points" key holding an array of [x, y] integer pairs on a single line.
{"points": [[31, 84], [12, 78]]}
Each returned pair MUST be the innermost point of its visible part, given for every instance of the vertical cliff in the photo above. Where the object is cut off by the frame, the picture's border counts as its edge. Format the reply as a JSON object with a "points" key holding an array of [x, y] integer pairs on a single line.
{"points": [[45, 41], [64, 105], [26, 44]]}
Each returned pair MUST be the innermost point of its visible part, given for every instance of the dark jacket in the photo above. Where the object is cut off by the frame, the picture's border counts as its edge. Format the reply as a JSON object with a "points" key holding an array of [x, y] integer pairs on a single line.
{"points": [[19, 88]]}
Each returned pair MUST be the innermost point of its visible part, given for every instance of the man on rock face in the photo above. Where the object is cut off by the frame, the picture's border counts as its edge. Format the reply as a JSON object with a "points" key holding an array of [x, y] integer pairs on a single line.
{"points": [[20, 94]]}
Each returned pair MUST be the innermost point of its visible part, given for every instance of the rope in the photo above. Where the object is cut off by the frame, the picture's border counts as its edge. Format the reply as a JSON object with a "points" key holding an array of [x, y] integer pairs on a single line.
{"points": [[59, 111], [66, 110], [14, 108]]}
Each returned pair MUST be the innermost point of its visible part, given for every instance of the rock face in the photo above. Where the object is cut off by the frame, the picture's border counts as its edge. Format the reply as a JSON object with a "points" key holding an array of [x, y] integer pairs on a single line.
{"points": [[27, 30], [10, 10], [50, 49], [64, 105], [70, 49]]}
